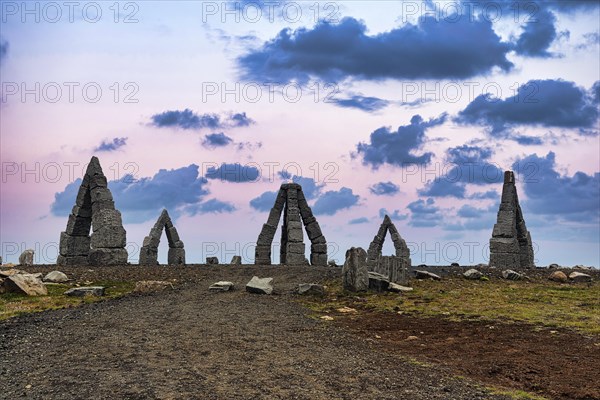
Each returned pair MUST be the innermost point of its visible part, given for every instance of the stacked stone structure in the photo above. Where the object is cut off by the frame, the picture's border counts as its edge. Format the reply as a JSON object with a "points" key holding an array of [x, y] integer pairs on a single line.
{"points": [[394, 267], [149, 250]]}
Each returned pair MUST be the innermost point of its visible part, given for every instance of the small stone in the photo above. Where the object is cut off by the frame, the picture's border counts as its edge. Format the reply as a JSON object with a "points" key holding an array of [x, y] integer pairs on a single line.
{"points": [[151, 286], [28, 284], [56, 277], [236, 260], [394, 287], [346, 310], [559, 276], [311, 289], [332, 263], [26, 258], [212, 261], [260, 285], [580, 277], [85, 291], [412, 338], [553, 266], [222, 286], [455, 264], [326, 318], [427, 275], [511, 275], [473, 274], [583, 267], [12, 271]]}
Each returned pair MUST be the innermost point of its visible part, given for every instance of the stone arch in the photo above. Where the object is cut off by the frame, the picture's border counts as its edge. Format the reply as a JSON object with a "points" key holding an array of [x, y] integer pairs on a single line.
{"points": [[394, 267], [149, 250], [292, 203], [94, 211]]}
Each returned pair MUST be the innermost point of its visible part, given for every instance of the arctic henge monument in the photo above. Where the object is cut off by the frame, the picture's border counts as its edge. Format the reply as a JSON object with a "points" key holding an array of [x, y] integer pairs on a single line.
{"points": [[291, 201], [149, 250], [94, 209], [394, 267], [510, 245]]}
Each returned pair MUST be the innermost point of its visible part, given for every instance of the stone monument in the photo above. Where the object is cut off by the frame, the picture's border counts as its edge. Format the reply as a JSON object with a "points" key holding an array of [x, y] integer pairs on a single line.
{"points": [[394, 267], [149, 250]]}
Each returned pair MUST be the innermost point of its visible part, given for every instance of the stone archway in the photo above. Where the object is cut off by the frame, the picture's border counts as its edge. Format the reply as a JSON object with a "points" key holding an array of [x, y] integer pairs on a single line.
{"points": [[395, 267], [296, 212], [94, 210], [149, 250]]}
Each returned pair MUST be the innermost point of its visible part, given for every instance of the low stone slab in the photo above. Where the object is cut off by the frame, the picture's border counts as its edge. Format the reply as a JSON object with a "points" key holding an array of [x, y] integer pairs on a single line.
{"points": [[378, 282], [580, 277], [85, 291], [311, 289], [559, 276], [260, 285], [473, 274], [212, 261], [28, 284], [222, 286], [427, 275], [56, 277], [511, 275], [394, 287]]}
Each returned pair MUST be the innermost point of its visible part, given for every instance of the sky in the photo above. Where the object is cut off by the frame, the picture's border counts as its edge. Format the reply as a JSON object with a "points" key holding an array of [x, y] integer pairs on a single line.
{"points": [[407, 108]]}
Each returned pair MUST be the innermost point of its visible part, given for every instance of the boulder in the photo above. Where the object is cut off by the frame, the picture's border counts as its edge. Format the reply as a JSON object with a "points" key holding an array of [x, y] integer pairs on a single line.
{"points": [[56, 277], [354, 273], [378, 282], [221, 286], [236, 260], [260, 285], [559, 276], [580, 277], [394, 287], [151, 286], [311, 289], [26, 258], [553, 266], [473, 274], [212, 261], [28, 284], [455, 264], [85, 291], [511, 275], [332, 263], [427, 275], [12, 271]]}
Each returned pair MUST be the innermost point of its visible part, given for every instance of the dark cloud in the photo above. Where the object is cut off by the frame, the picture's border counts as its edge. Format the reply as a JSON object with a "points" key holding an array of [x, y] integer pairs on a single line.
{"points": [[396, 148], [142, 199], [384, 188], [546, 103], [113, 145], [356, 221], [213, 206], [575, 198], [526, 140], [537, 36], [424, 213], [430, 50], [394, 215], [264, 202], [471, 166], [310, 188], [3, 49], [216, 140], [331, 201], [489, 195], [467, 211], [233, 173], [188, 119], [368, 104]]}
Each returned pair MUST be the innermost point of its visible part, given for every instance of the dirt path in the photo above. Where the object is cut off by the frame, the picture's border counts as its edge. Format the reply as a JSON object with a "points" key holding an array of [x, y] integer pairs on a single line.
{"points": [[192, 344]]}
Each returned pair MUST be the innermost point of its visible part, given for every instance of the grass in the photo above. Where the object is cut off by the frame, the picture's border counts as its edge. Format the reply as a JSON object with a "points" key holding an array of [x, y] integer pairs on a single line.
{"points": [[12, 305], [516, 394], [541, 303]]}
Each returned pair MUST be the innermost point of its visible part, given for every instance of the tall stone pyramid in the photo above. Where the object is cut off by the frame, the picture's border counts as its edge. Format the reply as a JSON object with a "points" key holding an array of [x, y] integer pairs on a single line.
{"points": [[291, 202], [149, 250], [94, 209], [394, 267], [510, 245]]}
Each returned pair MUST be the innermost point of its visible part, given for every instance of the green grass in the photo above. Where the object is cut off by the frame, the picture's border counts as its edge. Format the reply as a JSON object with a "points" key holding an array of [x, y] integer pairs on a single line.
{"points": [[12, 305], [516, 394], [540, 303]]}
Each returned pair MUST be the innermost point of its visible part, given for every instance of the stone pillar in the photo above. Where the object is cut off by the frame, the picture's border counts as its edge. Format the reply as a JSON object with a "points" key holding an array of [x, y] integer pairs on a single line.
{"points": [[354, 273]]}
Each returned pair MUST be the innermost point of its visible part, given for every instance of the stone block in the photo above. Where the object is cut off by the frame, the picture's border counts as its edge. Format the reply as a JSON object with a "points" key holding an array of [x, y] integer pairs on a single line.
{"points": [[504, 245], [103, 205], [318, 248], [71, 260], [294, 231], [101, 194], [106, 217], [176, 256], [151, 242], [236, 260], [85, 212], [319, 259], [172, 235], [148, 256], [297, 248], [320, 239], [177, 245], [212, 261], [98, 181], [262, 255], [274, 217], [109, 237], [295, 259], [107, 257], [78, 226], [74, 245], [266, 235], [313, 230]]}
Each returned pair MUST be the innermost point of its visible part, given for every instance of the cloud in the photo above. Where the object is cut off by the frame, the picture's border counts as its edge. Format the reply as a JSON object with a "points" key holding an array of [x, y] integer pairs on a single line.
{"points": [[396, 148], [331, 201], [384, 189], [142, 199], [489, 195], [546, 103], [394, 215], [575, 198], [264, 202], [356, 221], [216, 140], [368, 104], [233, 173], [332, 52], [116, 144], [467, 211], [537, 36], [188, 119], [3, 49], [424, 213], [211, 206], [310, 188]]}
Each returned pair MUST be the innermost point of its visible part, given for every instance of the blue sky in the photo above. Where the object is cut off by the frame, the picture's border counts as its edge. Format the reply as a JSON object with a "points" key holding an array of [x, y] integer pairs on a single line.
{"points": [[412, 109]]}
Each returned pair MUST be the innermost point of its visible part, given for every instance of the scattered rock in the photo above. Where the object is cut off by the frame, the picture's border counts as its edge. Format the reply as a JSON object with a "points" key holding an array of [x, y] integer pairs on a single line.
{"points": [[85, 291], [553, 266], [511, 275], [481, 265], [394, 287], [346, 310], [455, 265], [56, 277], [26, 258], [354, 273], [28, 284], [260, 285], [473, 274], [559, 276], [212, 261], [332, 263], [412, 338], [580, 277], [13, 271], [427, 275], [582, 267], [311, 289], [151, 286], [378, 282], [236, 260], [326, 318], [221, 286]]}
